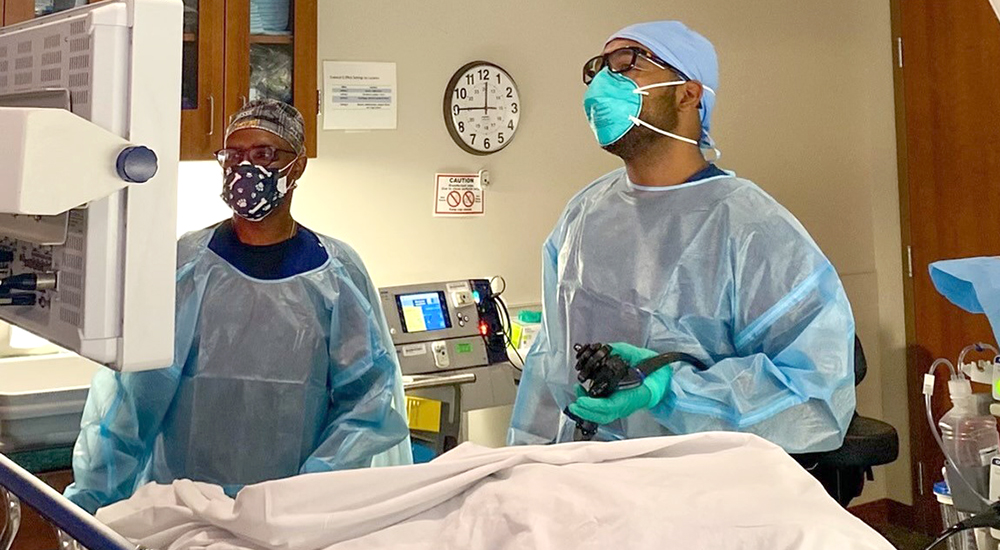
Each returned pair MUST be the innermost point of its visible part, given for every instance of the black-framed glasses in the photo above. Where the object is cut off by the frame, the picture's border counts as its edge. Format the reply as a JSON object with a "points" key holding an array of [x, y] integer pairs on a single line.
{"points": [[620, 61], [261, 155]]}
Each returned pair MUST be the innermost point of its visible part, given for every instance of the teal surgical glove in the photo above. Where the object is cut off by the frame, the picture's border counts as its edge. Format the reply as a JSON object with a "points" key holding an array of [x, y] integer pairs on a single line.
{"points": [[622, 404]]}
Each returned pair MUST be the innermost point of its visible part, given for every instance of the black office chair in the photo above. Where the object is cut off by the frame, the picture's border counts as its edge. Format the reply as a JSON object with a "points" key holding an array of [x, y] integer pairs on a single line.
{"points": [[868, 443]]}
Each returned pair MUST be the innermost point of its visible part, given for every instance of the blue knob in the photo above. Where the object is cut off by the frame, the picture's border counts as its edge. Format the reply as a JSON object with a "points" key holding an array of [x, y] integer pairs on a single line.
{"points": [[136, 164]]}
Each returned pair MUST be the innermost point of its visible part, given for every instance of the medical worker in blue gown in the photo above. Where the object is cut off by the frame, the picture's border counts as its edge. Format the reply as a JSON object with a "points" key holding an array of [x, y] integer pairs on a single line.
{"points": [[283, 362], [673, 254]]}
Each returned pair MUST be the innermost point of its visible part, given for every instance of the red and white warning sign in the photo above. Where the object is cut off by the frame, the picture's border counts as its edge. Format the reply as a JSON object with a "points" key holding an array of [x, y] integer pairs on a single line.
{"points": [[457, 195]]}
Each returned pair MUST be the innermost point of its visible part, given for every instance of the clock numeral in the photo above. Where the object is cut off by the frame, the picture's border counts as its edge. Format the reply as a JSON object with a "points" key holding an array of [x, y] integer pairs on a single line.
{"points": [[473, 139], [455, 109], [462, 93], [461, 126], [513, 108], [484, 74], [469, 80], [500, 138], [498, 79], [486, 143], [510, 91], [511, 125]]}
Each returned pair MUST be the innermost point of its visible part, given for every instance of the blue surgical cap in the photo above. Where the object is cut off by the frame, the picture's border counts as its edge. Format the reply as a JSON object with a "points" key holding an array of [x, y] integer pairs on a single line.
{"points": [[685, 50]]}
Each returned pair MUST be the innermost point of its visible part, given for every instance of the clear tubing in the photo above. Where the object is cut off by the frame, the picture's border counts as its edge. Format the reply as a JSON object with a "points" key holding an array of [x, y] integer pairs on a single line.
{"points": [[978, 346]]}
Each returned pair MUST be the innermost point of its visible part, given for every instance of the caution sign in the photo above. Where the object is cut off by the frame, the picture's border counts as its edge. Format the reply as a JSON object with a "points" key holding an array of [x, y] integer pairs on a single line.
{"points": [[457, 195]]}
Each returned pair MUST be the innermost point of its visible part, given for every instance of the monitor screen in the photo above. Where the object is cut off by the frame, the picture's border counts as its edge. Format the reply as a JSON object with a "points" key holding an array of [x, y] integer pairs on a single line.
{"points": [[422, 312]]}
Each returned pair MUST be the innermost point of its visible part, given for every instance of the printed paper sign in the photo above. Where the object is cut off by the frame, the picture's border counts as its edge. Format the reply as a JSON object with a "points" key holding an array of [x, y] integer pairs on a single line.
{"points": [[459, 195], [359, 96]]}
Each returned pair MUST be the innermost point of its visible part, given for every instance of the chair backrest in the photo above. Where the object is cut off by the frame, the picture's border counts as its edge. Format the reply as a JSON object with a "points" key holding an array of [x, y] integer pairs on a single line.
{"points": [[860, 364]]}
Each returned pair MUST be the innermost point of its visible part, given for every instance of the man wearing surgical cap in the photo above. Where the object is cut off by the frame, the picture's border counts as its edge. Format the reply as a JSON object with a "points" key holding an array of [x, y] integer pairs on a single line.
{"points": [[672, 254], [283, 363]]}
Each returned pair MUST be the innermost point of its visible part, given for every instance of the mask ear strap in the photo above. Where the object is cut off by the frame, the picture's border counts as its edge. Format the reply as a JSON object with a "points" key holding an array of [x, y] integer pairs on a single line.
{"points": [[640, 122], [642, 89], [283, 186], [283, 178]]}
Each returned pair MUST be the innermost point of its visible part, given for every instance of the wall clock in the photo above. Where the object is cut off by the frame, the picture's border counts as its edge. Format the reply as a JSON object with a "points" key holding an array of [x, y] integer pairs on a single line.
{"points": [[482, 108]]}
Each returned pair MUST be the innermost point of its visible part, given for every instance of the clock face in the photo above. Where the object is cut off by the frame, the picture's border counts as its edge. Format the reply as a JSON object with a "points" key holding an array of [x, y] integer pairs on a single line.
{"points": [[482, 108]]}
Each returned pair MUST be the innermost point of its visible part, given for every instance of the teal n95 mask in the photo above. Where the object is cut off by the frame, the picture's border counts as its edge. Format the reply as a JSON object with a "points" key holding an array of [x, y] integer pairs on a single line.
{"points": [[613, 103]]}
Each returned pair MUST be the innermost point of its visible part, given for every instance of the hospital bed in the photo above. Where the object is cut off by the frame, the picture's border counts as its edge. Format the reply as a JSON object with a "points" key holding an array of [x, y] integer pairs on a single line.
{"points": [[760, 467], [712, 490]]}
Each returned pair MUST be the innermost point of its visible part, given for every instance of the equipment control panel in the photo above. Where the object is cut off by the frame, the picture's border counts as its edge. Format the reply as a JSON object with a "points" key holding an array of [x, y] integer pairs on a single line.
{"points": [[444, 326]]}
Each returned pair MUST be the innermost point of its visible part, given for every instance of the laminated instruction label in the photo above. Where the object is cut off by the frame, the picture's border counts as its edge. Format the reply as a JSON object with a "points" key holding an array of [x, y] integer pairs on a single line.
{"points": [[458, 195]]}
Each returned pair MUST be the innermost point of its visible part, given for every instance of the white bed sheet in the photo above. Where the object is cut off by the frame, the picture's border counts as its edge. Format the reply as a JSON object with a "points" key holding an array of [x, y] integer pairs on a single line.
{"points": [[715, 490]]}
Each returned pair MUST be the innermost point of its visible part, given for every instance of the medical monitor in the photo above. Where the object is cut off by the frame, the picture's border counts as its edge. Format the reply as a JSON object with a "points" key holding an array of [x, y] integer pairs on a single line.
{"points": [[423, 312], [82, 213]]}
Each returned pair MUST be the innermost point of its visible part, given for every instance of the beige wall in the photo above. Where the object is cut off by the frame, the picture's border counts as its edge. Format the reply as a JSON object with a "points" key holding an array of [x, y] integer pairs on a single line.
{"points": [[805, 109]]}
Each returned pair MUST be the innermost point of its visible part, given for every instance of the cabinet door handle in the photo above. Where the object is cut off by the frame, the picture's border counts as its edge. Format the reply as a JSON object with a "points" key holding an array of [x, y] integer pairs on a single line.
{"points": [[211, 115]]}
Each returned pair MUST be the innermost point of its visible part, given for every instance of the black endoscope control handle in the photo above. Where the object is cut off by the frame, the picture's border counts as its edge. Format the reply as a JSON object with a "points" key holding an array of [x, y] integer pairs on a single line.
{"points": [[603, 373]]}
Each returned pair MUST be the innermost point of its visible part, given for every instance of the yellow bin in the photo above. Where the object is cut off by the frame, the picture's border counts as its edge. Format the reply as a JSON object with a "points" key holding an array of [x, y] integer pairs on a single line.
{"points": [[424, 414]]}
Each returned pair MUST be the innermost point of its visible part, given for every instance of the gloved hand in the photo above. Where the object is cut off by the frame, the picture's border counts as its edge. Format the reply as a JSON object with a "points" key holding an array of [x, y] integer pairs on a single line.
{"points": [[624, 403]]}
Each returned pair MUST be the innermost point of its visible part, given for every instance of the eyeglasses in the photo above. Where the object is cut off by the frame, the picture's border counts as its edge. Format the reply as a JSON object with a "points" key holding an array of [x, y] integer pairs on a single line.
{"points": [[620, 61], [261, 155]]}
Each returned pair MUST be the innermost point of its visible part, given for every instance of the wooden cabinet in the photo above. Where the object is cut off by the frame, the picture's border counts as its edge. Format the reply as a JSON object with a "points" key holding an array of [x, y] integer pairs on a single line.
{"points": [[234, 51], [16, 11], [264, 60], [203, 117], [242, 50]]}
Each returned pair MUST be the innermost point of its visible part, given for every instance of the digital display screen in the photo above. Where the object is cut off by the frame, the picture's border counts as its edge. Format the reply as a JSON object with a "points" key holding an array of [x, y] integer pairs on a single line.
{"points": [[426, 311]]}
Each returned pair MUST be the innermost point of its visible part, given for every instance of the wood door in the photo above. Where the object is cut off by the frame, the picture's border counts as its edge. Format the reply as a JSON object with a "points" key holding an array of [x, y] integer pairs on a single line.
{"points": [[268, 60], [203, 79], [948, 115]]}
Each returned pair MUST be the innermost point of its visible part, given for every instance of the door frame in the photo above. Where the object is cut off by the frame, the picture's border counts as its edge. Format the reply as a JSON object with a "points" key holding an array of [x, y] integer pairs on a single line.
{"points": [[921, 481]]}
